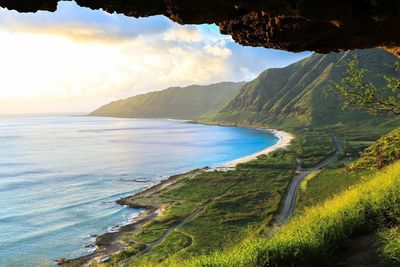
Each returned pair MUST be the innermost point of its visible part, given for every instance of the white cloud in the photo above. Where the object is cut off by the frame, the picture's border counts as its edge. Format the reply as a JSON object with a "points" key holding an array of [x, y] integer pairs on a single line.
{"points": [[74, 61], [218, 51], [185, 34]]}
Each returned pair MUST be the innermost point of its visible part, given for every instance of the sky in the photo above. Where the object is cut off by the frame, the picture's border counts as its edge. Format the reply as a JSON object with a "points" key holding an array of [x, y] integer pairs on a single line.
{"points": [[76, 59]]}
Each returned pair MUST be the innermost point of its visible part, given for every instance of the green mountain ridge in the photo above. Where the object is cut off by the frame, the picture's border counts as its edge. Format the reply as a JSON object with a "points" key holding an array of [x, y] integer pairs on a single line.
{"points": [[353, 195], [191, 102], [296, 95], [289, 97]]}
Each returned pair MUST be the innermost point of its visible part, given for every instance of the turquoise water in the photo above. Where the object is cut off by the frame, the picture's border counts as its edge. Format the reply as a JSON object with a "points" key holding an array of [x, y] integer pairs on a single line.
{"points": [[60, 176]]}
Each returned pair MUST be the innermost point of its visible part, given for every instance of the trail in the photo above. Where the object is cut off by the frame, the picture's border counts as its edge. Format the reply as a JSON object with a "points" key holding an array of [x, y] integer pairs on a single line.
{"points": [[300, 173], [150, 245]]}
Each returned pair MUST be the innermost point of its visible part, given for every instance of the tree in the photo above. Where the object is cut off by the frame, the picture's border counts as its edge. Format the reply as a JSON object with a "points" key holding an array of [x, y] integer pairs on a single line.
{"points": [[357, 93]]}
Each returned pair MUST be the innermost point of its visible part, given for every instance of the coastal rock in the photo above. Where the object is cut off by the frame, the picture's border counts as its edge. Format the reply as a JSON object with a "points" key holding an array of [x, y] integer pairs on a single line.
{"points": [[293, 25]]}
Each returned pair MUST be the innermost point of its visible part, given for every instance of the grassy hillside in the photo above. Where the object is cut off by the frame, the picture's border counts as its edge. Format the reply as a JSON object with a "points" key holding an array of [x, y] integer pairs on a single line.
{"points": [[380, 154], [334, 206], [190, 102], [233, 211], [295, 95], [311, 238]]}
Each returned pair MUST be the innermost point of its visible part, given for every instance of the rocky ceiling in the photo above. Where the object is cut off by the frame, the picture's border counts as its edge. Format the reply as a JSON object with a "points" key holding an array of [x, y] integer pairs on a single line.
{"points": [[293, 25]]}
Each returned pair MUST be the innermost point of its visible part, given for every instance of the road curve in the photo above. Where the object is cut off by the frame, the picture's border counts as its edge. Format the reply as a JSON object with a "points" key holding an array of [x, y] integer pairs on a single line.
{"points": [[289, 203]]}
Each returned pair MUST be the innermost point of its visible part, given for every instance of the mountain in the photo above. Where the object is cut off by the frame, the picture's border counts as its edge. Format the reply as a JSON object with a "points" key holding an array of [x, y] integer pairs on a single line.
{"points": [[191, 102], [289, 97], [295, 95]]}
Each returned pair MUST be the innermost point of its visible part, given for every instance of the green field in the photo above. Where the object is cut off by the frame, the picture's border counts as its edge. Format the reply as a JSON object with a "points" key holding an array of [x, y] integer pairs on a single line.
{"points": [[232, 213], [310, 239], [235, 203], [324, 184], [313, 146]]}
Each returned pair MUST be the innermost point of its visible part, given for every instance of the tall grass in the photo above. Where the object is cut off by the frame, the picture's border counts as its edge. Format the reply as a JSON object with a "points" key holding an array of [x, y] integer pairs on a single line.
{"points": [[311, 239], [389, 246]]}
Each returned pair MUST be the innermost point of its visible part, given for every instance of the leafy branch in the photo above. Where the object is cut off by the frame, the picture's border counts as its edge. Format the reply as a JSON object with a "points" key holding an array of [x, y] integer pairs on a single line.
{"points": [[357, 93]]}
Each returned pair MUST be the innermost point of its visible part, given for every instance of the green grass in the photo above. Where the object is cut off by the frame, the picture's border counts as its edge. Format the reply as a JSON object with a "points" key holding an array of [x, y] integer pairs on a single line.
{"points": [[389, 247], [175, 242], [310, 239], [239, 207], [234, 202], [172, 216], [313, 146], [324, 184], [385, 151]]}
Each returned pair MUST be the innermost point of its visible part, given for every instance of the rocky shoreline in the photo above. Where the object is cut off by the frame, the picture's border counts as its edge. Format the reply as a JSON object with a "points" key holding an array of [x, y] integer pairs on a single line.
{"points": [[111, 242], [147, 199]]}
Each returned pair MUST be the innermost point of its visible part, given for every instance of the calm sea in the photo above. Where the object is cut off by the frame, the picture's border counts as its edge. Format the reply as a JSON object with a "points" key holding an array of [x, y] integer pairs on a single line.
{"points": [[60, 176]]}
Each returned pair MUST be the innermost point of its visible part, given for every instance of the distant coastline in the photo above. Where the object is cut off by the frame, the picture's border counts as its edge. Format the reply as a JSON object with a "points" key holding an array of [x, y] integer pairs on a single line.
{"points": [[111, 241]]}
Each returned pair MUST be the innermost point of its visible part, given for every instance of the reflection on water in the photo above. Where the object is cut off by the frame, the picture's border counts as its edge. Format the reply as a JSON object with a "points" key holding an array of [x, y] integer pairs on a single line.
{"points": [[60, 176]]}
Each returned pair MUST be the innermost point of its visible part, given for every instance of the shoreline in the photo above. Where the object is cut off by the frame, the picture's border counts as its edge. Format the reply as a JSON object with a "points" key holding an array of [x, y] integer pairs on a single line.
{"points": [[284, 140], [111, 242]]}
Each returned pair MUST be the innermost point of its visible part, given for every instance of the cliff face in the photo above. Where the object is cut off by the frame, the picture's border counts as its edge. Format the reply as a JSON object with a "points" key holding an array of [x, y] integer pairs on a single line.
{"points": [[294, 25], [296, 94]]}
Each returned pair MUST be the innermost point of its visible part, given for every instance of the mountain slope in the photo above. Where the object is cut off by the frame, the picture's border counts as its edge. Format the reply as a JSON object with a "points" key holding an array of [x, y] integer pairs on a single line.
{"points": [[191, 102], [383, 152], [295, 95]]}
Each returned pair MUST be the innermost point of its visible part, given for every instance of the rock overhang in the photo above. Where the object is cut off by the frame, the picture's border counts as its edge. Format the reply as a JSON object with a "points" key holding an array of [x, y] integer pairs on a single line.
{"points": [[292, 25]]}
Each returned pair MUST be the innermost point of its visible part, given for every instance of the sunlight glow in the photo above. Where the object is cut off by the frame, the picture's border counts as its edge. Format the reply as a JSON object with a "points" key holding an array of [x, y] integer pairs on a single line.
{"points": [[74, 60]]}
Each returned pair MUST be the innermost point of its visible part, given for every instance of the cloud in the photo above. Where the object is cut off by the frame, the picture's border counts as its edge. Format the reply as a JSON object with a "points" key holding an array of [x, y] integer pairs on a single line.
{"points": [[218, 51], [82, 24], [76, 59], [184, 34]]}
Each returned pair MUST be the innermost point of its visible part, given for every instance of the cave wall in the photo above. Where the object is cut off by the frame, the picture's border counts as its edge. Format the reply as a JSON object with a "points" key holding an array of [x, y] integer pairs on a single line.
{"points": [[293, 25]]}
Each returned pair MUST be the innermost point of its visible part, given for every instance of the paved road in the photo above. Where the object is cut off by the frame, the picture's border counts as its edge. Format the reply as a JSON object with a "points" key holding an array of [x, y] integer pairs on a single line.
{"points": [[290, 200]]}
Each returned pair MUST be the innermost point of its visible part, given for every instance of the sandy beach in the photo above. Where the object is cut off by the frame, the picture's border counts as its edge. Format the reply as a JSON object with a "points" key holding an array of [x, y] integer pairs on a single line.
{"points": [[148, 199], [284, 140]]}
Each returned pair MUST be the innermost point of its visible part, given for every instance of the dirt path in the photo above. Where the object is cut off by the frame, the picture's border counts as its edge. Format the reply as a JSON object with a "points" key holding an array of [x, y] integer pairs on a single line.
{"points": [[149, 246], [360, 251], [300, 173]]}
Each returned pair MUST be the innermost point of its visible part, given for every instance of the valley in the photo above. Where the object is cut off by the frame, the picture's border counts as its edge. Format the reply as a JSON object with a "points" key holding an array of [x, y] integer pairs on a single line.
{"points": [[238, 210]]}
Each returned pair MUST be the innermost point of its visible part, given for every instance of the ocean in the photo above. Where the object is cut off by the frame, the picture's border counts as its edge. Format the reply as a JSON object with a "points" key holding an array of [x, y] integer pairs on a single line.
{"points": [[60, 176]]}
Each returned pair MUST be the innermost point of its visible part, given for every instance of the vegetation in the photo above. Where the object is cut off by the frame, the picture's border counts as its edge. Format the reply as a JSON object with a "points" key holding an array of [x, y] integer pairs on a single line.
{"points": [[230, 203], [234, 210], [333, 206], [357, 92], [192, 102], [313, 146], [294, 96], [325, 184], [310, 239], [389, 246], [381, 153]]}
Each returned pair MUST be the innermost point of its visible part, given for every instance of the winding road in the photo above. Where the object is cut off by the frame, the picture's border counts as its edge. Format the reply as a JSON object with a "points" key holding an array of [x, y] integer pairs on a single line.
{"points": [[300, 173], [289, 202]]}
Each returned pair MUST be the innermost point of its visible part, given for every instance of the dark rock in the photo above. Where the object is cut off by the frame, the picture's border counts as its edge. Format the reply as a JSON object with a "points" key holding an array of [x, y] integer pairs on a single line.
{"points": [[294, 25]]}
